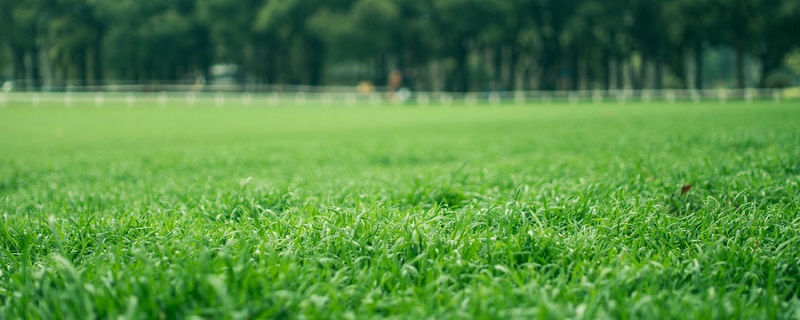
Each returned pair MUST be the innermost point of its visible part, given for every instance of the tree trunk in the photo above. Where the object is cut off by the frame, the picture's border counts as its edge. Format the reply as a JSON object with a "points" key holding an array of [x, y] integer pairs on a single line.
{"points": [[498, 80], [575, 72], [642, 77], [606, 70], [82, 61], [18, 55], [36, 77], [461, 74], [658, 83], [698, 67], [740, 83], [548, 66], [620, 70], [97, 61], [315, 61], [512, 68]]}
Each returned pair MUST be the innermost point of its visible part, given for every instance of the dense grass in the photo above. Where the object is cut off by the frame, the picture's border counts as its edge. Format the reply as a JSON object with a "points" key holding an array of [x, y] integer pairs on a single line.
{"points": [[403, 212]]}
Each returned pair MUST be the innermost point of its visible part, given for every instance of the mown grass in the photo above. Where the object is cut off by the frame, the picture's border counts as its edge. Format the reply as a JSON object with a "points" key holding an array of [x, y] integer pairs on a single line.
{"points": [[501, 212]]}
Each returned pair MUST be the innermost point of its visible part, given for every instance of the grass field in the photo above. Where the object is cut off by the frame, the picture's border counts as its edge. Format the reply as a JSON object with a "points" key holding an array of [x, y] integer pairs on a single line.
{"points": [[550, 212]]}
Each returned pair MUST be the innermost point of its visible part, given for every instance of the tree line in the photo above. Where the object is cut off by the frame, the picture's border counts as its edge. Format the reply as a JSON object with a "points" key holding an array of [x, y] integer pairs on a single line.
{"points": [[457, 45]]}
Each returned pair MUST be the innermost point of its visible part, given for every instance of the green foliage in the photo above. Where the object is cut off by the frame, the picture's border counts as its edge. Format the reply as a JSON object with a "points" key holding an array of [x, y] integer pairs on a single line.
{"points": [[441, 212], [460, 44]]}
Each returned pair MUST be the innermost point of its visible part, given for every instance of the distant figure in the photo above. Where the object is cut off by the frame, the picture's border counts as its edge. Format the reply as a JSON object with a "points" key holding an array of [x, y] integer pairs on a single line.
{"points": [[395, 80], [403, 94], [365, 87], [394, 83]]}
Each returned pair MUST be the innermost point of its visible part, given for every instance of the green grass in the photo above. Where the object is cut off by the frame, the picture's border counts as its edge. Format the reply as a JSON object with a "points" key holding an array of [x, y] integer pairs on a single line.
{"points": [[550, 212]]}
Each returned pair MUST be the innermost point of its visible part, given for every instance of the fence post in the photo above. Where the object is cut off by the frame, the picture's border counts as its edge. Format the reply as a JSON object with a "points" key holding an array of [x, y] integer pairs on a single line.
{"points": [[351, 99], [274, 99], [327, 99], [191, 99], [375, 99], [99, 99], [471, 99], [423, 99], [247, 99], [671, 96], [494, 98], [300, 98], [572, 97], [130, 99], [162, 99], [519, 97], [445, 99], [597, 96], [722, 94], [68, 99]]}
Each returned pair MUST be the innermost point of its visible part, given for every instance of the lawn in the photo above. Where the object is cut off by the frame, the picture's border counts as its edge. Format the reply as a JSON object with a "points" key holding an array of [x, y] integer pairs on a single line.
{"points": [[537, 211]]}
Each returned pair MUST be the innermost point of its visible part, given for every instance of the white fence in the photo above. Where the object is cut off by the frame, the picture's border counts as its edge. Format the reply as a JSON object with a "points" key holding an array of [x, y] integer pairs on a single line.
{"points": [[350, 96]]}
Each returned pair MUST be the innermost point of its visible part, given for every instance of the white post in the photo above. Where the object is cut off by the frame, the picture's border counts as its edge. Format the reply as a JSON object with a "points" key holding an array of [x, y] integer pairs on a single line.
{"points": [[519, 97], [375, 99], [671, 96], [300, 98], [471, 99], [597, 96], [219, 99], [99, 99], [68, 99], [247, 99], [130, 99], [722, 94], [445, 99], [274, 99], [162, 99], [327, 99], [423, 99], [494, 98], [351, 99]]}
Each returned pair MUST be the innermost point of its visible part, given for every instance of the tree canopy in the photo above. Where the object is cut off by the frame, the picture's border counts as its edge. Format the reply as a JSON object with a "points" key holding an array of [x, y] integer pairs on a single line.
{"points": [[459, 45]]}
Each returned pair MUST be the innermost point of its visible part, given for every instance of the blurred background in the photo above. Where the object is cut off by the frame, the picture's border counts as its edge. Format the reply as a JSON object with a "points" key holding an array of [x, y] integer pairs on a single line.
{"points": [[433, 45]]}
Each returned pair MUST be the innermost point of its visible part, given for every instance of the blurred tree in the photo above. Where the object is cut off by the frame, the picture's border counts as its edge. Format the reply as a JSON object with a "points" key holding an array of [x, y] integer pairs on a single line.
{"points": [[232, 29], [550, 17], [75, 40], [460, 23], [453, 44], [777, 33], [736, 23], [369, 31], [690, 28], [648, 31], [21, 24], [155, 40], [289, 22]]}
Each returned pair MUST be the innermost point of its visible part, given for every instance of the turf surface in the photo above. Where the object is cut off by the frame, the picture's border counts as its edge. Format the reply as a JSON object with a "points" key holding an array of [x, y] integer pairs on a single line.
{"points": [[404, 212]]}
